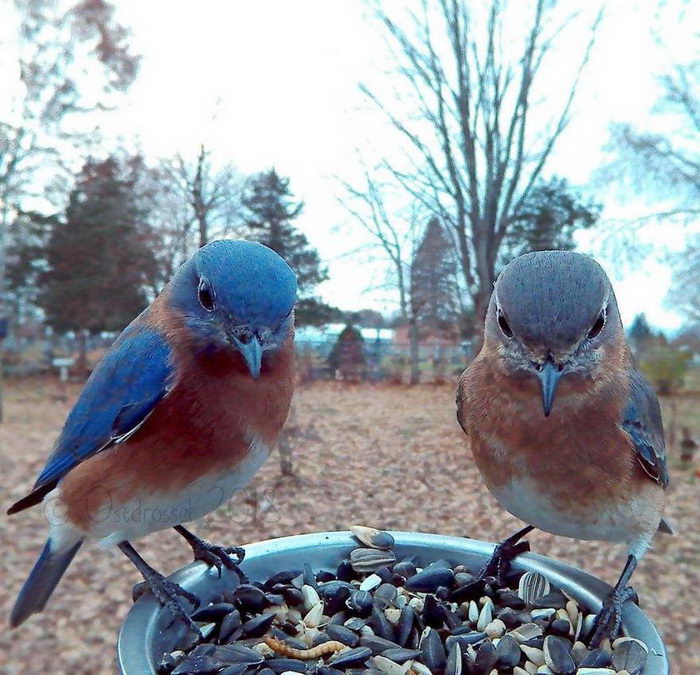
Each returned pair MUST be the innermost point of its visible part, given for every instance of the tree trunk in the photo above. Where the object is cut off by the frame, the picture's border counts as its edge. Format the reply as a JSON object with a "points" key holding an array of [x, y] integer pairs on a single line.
{"points": [[481, 305], [200, 209], [415, 349], [81, 365], [285, 444], [4, 220], [203, 234], [673, 420]]}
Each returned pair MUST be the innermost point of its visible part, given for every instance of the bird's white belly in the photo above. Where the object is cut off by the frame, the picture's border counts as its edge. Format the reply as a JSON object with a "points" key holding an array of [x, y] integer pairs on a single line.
{"points": [[622, 521], [148, 513]]}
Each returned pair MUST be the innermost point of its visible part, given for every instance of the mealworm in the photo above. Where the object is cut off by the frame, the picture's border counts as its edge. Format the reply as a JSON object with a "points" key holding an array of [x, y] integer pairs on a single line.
{"points": [[324, 648]]}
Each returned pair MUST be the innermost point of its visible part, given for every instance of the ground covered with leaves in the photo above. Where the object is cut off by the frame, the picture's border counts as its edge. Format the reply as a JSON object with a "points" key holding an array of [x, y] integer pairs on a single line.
{"points": [[393, 458]]}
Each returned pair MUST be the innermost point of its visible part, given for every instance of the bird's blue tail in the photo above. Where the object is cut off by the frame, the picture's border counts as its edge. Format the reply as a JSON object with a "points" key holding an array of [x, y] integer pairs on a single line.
{"points": [[42, 580]]}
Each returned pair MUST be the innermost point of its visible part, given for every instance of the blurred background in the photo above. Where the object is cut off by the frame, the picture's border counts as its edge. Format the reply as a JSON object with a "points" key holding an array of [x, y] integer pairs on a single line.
{"points": [[397, 154]]}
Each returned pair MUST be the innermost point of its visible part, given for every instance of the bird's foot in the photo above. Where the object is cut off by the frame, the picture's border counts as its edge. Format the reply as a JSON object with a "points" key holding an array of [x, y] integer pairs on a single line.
{"points": [[216, 556], [497, 567], [219, 556], [608, 622], [503, 556], [171, 595]]}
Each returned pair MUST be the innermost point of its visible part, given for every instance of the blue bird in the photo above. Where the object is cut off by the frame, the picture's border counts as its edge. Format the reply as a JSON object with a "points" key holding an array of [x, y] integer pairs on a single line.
{"points": [[565, 431], [179, 414]]}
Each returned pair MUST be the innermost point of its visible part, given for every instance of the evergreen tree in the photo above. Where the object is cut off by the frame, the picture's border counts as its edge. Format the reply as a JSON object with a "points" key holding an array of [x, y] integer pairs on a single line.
{"points": [[434, 283], [269, 209], [27, 238], [548, 219], [347, 356], [640, 334], [99, 257]]}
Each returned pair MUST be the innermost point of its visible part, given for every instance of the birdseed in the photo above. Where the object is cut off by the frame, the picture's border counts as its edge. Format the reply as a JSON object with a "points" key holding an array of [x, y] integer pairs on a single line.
{"points": [[384, 616]]}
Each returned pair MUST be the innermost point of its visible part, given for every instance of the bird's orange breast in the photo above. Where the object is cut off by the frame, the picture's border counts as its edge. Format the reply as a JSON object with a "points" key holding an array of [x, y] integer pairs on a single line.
{"points": [[578, 455], [206, 424]]}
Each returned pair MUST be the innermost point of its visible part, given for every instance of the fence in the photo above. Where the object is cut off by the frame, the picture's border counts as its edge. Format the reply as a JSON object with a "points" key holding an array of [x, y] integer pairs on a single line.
{"points": [[26, 355], [384, 361]]}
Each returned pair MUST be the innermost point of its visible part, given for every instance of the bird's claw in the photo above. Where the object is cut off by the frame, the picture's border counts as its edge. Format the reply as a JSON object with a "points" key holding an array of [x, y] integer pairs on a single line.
{"points": [[219, 556], [503, 556], [169, 595], [609, 620], [497, 568]]}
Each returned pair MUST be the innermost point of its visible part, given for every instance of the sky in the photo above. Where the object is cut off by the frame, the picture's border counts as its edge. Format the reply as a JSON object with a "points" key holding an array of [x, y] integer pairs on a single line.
{"points": [[274, 82]]}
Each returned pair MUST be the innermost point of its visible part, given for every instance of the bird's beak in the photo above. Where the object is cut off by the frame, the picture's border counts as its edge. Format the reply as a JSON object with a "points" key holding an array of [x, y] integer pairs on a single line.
{"points": [[549, 376], [252, 351]]}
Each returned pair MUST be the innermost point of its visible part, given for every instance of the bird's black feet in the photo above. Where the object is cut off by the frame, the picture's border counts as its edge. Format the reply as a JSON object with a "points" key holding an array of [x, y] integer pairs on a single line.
{"points": [[169, 594], [498, 565], [608, 621], [217, 556]]}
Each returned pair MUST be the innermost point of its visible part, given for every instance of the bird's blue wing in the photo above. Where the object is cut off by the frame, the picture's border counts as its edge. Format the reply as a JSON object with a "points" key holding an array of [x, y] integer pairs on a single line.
{"points": [[124, 388], [642, 421]]}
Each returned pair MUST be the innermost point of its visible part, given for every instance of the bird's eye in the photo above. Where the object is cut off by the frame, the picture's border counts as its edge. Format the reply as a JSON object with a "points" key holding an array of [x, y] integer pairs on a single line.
{"points": [[504, 325], [205, 295], [597, 326]]}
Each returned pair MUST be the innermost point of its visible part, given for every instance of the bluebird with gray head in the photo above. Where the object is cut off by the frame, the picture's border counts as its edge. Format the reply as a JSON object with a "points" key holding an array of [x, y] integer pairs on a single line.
{"points": [[566, 433], [179, 414]]}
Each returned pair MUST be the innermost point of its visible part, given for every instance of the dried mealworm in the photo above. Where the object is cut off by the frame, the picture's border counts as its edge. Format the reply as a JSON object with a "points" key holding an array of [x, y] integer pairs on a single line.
{"points": [[324, 648]]}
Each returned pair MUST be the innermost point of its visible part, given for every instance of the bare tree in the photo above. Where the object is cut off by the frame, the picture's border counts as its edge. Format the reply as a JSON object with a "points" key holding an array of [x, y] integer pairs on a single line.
{"points": [[685, 286], [393, 232], [58, 41], [475, 150], [195, 202], [396, 236], [666, 165], [419, 255]]}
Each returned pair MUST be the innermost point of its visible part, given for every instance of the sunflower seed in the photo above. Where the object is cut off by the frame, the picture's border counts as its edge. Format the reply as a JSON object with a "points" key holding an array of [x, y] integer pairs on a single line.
{"points": [[388, 667], [351, 657], [557, 655], [370, 559], [372, 538], [432, 650], [532, 585], [429, 579], [629, 655]]}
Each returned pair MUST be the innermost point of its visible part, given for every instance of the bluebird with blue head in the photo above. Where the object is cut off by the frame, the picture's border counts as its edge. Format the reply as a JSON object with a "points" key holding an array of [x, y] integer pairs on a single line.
{"points": [[565, 431], [179, 414]]}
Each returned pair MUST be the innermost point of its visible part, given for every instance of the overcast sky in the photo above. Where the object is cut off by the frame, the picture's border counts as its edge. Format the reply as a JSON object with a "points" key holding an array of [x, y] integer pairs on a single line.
{"points": [[275, 82]]}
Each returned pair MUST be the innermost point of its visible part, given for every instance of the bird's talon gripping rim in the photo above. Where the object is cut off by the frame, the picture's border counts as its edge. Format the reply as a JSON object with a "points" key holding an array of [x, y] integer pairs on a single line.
{"points": [[238, 551], [220, 557], [175, 590], [497, 566], [508, 554], [609, 620], [177, 614]]}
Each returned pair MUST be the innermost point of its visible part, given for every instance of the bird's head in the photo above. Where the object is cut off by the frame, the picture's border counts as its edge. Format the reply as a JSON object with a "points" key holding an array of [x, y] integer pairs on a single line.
{"points": [[553, 318], [236, 294]]}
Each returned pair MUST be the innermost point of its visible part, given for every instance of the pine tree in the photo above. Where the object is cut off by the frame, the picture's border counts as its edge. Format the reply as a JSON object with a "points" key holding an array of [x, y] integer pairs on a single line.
{"points": [[27, 238], [347, 356], [269, 209], [433, 282], [548, 219], [640, 335], [433, 308], [99, 257]]}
